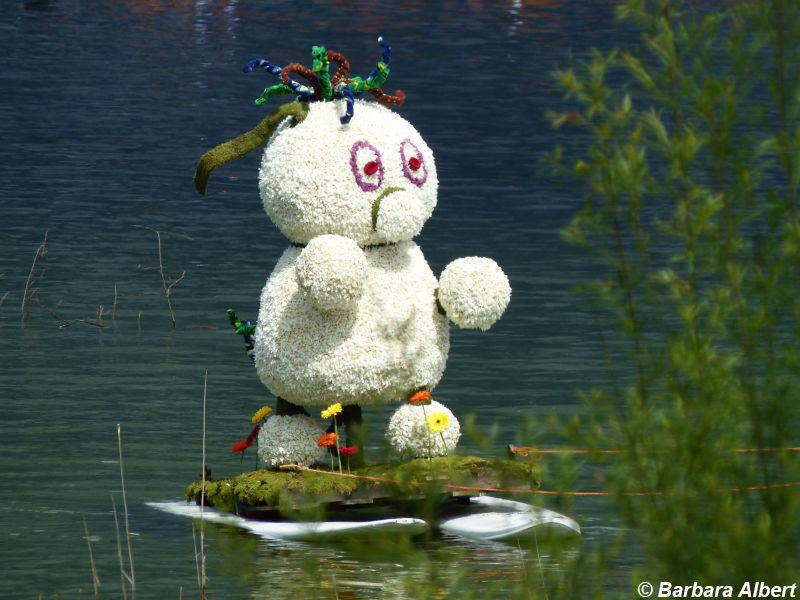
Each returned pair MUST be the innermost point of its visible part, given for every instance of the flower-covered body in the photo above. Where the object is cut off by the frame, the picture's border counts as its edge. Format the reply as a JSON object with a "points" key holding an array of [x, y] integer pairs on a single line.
{"points": [[392, 342], [350, 313]]}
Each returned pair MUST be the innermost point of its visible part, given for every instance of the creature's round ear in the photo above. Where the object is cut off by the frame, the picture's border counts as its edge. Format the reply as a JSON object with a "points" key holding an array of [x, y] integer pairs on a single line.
{"points": [[247, 142]]}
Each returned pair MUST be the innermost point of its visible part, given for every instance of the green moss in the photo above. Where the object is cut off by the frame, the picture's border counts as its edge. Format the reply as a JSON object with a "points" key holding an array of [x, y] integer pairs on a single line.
{"points": [[219, 494], [418, 477], [469, 471]]}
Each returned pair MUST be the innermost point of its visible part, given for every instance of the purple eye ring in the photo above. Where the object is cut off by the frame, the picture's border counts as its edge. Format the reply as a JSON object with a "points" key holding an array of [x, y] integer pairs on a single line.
{"points": [[367, 186], [419, 175]]}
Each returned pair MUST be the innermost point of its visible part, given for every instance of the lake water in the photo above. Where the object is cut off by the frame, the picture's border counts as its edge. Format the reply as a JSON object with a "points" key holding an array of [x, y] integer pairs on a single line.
{"points": [[105, 108]]}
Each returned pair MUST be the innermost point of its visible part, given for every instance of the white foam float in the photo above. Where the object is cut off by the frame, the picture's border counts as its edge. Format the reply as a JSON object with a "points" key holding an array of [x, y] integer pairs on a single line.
{"points": [[509, 520], [289, 530]]}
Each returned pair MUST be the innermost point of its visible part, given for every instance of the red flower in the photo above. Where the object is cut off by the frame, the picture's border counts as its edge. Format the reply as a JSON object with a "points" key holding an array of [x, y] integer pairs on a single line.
{"points": [[348, 450], [253, 434], [329, 439], [241, 446]]}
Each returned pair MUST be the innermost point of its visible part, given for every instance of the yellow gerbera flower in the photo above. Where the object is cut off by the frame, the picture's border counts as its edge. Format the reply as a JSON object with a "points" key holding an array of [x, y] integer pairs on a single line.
{"points": [[333, 409], [436, 422], [261, 414]]}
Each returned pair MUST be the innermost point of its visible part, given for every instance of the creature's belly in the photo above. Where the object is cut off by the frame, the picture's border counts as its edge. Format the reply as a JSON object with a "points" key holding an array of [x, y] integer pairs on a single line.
{"points": [[393, 343]]}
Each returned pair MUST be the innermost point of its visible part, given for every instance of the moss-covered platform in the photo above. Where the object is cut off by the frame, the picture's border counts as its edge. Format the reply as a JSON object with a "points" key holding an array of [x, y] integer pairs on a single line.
{"points": [[274, 494]]}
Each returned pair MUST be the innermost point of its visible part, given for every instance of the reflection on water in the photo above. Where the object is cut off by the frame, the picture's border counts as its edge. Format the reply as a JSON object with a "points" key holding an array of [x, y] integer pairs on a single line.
{"points": [[387, 568], [106, 107], [393, 566]]}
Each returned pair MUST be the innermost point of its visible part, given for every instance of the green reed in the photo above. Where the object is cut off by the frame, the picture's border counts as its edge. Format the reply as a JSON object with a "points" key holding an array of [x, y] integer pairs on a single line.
{"points": [[688, 151]]}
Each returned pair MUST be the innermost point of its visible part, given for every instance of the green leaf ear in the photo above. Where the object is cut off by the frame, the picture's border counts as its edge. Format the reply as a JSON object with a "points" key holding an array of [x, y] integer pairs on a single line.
{"points": [[245, 143]]}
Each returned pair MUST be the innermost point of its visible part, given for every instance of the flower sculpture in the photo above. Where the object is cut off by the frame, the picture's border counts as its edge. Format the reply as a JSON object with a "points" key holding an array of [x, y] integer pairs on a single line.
{"points": [[352, 314], [423, 431]]}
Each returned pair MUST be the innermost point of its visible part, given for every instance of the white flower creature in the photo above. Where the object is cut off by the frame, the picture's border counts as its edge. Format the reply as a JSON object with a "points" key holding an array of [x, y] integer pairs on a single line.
{"points": [[352, 313], [413, 431]]}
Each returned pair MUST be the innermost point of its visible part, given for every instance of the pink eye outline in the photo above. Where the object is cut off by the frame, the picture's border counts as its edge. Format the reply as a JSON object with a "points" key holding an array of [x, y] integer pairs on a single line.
{"points": [[414, 176], [364, 184]]}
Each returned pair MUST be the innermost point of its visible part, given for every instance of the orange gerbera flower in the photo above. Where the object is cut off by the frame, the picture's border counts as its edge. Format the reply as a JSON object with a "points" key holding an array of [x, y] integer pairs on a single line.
{"points": [[329, 439], [420, 398]]}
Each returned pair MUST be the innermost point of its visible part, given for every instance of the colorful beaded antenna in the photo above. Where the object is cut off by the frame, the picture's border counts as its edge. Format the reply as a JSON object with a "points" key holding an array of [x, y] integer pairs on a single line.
{"points": [[322, 86]]}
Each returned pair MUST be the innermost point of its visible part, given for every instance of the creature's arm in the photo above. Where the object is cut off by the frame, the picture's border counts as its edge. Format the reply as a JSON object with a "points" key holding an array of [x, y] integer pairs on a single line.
{"points": [[473, 292], [331, 270]]}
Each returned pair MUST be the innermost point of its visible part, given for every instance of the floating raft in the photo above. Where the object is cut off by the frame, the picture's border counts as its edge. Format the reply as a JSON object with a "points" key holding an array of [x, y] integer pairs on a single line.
{"points": [[444, 482]]}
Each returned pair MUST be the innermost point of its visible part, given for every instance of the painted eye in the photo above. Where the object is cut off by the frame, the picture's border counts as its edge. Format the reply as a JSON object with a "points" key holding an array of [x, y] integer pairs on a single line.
{"points": [[366, 164], [413, 163]]}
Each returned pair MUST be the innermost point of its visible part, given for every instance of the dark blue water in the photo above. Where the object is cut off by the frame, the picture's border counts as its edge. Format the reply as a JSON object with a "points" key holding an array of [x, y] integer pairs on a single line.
{"points": [[105, 109]]}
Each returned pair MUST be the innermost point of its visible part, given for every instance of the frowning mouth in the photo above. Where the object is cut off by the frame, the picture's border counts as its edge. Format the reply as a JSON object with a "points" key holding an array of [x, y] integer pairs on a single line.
{"points": [[376, 204]]}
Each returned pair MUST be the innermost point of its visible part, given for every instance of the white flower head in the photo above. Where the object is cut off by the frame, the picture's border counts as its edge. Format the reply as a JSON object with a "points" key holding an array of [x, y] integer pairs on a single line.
{"points": [[323, 177], [409, 436], [290, 440]]}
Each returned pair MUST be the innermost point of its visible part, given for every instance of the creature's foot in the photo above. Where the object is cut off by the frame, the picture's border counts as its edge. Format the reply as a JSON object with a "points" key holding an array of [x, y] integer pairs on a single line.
{"points": [[290, 439], [423, 430]]}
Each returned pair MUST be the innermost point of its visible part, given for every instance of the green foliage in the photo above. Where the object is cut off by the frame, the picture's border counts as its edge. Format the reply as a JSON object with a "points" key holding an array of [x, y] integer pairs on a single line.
{"points": [[691, 175]]}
